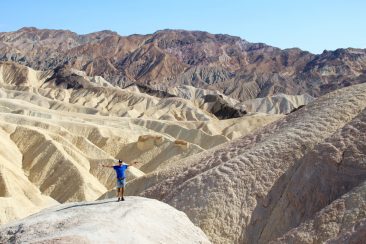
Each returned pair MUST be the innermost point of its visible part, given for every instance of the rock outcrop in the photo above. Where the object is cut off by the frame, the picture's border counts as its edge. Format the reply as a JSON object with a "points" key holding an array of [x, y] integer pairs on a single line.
{"points": [[136, 220]]}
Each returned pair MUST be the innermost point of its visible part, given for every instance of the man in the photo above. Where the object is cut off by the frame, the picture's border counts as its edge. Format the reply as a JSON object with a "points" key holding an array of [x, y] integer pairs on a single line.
{"points": [[121, 177]]}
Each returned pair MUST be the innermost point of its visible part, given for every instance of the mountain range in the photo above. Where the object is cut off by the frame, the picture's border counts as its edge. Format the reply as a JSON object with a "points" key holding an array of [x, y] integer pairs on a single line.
{"points": [[231, 65]]}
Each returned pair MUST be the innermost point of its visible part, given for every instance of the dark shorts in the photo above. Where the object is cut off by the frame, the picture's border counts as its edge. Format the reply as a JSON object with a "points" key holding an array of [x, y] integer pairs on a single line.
{"points": [[121, 183]]}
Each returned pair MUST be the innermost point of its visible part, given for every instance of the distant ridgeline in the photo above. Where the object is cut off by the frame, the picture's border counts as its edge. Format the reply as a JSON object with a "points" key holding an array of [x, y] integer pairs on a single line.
{"points": [[228, 64]]}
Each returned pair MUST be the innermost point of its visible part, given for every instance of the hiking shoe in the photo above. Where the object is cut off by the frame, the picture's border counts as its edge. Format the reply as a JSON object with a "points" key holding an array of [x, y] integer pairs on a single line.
{"points": [[122, 199], [118, 199]]}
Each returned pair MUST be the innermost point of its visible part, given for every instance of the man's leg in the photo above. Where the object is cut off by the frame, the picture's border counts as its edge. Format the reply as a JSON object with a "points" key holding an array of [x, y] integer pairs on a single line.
{"points": [[118, 193], [122, 192]]}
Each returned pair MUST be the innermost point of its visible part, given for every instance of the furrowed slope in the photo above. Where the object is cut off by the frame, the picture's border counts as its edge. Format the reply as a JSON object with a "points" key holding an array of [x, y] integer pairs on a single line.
{"points": [[227, 190]]}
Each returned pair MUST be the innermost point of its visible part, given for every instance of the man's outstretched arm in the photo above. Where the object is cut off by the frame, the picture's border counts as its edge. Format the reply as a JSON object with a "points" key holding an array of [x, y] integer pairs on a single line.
{"points": [[134, 163], [107, 166]]}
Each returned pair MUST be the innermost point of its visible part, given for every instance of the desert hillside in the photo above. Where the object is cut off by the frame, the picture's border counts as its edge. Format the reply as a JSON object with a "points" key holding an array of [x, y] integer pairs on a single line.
{"points": [[277, 169], [55, 138], [298, 180]]}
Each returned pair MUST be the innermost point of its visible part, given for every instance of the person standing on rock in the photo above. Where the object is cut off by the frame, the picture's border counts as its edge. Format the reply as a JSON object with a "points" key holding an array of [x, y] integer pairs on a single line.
{"points": [[121, 177]]}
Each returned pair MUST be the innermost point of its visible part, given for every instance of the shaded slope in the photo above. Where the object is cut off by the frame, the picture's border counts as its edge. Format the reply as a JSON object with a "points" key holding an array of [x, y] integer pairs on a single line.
{"points": [[18, 196], [333, 168]]}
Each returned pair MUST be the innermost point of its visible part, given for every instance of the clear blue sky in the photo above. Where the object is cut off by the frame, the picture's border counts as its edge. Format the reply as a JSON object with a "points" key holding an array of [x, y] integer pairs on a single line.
{"points": [[312, 25]]}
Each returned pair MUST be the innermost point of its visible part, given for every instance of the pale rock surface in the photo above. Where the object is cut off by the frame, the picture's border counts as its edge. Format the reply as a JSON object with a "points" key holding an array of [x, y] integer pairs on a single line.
{"points": [[136, 220]]}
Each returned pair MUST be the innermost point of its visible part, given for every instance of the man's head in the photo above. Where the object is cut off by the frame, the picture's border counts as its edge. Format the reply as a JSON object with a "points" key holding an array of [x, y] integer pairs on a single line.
{"points": [[120, 162]]}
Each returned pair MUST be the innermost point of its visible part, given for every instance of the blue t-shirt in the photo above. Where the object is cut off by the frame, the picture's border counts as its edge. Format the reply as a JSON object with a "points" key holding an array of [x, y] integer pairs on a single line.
{"points": [[120, 170]]}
